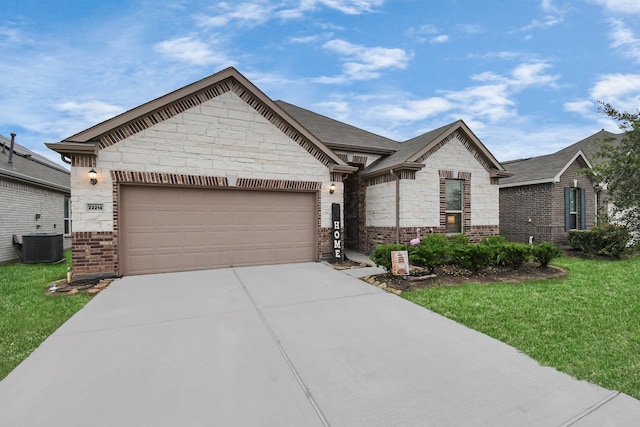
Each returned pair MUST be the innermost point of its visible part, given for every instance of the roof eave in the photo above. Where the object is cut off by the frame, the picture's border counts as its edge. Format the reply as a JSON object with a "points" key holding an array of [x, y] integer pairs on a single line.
{"points": [[410, 166], [34, 181], [359, 148], [525, 183], [495, 173], [68, 148]]}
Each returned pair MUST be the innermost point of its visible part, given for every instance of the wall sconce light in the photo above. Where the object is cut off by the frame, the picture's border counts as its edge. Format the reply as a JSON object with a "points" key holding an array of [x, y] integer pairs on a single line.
{"points": [[332, 188], [92, 176]]}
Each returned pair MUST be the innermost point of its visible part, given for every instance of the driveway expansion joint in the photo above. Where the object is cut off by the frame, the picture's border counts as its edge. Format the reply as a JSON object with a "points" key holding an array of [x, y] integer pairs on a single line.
{"points": [[288, 361]]}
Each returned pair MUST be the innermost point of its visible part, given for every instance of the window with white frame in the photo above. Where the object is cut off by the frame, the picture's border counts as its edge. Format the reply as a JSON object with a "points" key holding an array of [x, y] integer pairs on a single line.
{"points": [[67, 215], [453, 205]]}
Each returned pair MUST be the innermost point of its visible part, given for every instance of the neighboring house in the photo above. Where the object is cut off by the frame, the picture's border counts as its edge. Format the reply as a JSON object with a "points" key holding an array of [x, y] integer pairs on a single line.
{"points": [[217, 174], [547, 196], [34, 197]]}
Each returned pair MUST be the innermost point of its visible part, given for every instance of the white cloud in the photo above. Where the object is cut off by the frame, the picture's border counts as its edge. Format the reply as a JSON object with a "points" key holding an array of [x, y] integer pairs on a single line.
{"points": [[622, 91], [192, 51], [352, 7], [625, 40], [362, 62], [427, 32], [442, 38], [90, 111], [241, 13], [553, 16], [622, 6]]}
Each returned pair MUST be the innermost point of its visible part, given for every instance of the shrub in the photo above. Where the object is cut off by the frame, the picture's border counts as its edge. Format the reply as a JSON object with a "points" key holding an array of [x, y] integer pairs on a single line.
{"points": [[513, 254], [606, 239], [459, 239], [580, 240], [610, 240], [382, 255], [493, 240], [434, 250], [472, 257], [493, 244], [545, 252]]}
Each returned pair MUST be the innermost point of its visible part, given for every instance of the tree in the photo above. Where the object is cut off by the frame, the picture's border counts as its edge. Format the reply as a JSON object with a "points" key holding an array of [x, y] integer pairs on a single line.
{"points": [[619, 168]]}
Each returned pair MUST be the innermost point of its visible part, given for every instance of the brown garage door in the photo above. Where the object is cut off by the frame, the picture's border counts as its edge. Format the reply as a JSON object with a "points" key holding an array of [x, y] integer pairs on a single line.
{"points": [[179, 229]]}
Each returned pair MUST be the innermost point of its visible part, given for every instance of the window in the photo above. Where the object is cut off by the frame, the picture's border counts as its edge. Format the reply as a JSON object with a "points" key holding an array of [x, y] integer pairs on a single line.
{"points": [[67, 215], [573, 209], [453, 205], [575, 216]]}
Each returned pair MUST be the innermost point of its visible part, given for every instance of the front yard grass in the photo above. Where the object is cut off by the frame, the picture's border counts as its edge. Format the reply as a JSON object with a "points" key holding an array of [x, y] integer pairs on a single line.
{"points": [[587, 325], [27, 315]]}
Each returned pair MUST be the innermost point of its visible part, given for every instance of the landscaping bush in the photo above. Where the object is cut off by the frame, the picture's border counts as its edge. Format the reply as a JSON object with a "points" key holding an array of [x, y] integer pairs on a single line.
{"points": [[545, 252], [610, 240], [382, 255], [580, 240], [512, 254], [434, 250], [493, 244], [606, 239], [472, 257], [459, 239]]}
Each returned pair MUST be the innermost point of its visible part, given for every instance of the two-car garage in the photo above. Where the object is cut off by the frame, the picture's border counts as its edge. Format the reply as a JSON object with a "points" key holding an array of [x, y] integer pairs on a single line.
{"points": [[164, 229]]}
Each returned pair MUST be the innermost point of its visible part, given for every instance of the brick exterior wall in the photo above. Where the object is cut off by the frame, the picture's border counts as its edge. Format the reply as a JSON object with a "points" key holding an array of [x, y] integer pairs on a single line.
{"points": [[94, 254], [386, 235], [19, 204], [538, 210]]}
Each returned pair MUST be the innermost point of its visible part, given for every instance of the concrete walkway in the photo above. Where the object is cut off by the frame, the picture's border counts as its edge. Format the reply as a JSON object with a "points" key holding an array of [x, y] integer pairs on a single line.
{"points": [[288, 345]]}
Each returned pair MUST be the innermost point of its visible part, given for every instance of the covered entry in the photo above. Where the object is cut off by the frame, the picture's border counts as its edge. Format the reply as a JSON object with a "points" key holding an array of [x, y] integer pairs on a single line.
{"points": [[165, 229]]}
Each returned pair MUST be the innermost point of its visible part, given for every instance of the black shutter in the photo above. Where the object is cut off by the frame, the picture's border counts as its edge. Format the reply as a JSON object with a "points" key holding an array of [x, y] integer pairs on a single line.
{"points": [[567, 208], [583, 209]]}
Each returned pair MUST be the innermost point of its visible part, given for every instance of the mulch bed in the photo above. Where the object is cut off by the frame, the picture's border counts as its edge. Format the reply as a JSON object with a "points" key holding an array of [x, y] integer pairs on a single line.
{"points": [[450, 275]]}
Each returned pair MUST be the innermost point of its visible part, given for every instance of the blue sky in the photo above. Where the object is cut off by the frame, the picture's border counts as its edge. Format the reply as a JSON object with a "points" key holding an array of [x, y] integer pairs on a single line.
{"points": [[525, 75]]}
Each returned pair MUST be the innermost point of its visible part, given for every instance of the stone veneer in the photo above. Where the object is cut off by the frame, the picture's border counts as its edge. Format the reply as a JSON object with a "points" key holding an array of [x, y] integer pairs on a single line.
{"points": [[221, 138]]}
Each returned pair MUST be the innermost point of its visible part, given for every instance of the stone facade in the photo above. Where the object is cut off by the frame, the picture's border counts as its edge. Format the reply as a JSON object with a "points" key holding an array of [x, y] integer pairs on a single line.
{"points": [[422, 198], [538, 210], [222, 142]]}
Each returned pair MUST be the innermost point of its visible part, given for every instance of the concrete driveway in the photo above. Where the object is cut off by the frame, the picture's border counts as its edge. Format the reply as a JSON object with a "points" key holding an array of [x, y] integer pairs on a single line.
{"points": [[287, 345]]}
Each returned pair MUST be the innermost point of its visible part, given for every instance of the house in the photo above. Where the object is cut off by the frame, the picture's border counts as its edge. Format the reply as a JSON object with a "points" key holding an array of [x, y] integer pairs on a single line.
{"points": [[217, 174], [34, 197], [547, 196]]}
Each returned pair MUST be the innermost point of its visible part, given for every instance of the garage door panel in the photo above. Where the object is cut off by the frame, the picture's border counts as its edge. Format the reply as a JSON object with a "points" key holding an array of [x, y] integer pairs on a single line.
{"points": [[179, 229]]}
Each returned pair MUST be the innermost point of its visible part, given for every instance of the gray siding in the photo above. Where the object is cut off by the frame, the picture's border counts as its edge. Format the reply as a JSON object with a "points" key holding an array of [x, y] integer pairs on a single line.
{"points": [[19, 204]]}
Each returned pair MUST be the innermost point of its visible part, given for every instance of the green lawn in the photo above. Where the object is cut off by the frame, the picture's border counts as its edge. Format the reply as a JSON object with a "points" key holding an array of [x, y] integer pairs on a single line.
{"points": [[587, 325], [27, 315]]}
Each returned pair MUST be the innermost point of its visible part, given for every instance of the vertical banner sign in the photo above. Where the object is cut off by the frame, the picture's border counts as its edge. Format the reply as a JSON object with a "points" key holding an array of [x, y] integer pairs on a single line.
{"points": [[336, 230]]}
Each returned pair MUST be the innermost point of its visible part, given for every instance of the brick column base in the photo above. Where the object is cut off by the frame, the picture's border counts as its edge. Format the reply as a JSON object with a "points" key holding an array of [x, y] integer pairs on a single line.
{"points": [[93, 254]]}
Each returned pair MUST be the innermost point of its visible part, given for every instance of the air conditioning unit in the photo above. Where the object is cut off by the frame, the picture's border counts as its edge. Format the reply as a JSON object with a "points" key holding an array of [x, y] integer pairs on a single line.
{"points": [[42, 247]]}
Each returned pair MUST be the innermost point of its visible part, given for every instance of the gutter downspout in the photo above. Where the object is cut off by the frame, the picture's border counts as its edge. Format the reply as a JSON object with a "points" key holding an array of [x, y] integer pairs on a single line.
{"points": [[13, 141], [397, 206]]}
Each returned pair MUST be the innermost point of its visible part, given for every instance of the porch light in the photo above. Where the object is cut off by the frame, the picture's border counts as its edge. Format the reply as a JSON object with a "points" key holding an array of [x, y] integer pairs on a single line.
{"points": [[332, 188], [92, 176]]}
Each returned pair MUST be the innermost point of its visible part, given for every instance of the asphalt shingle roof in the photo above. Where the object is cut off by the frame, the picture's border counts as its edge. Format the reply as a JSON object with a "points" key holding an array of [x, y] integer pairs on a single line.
{"points": [[545, 168], [32, 167], [334, 133]]}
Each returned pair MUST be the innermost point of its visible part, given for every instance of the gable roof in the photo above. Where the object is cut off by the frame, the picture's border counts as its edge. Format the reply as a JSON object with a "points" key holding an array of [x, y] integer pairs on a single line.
{"points": [[590, 146], [414, 151], [338, 135], [548, 168], [541, 169], [32, 168], [111, 131]]}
